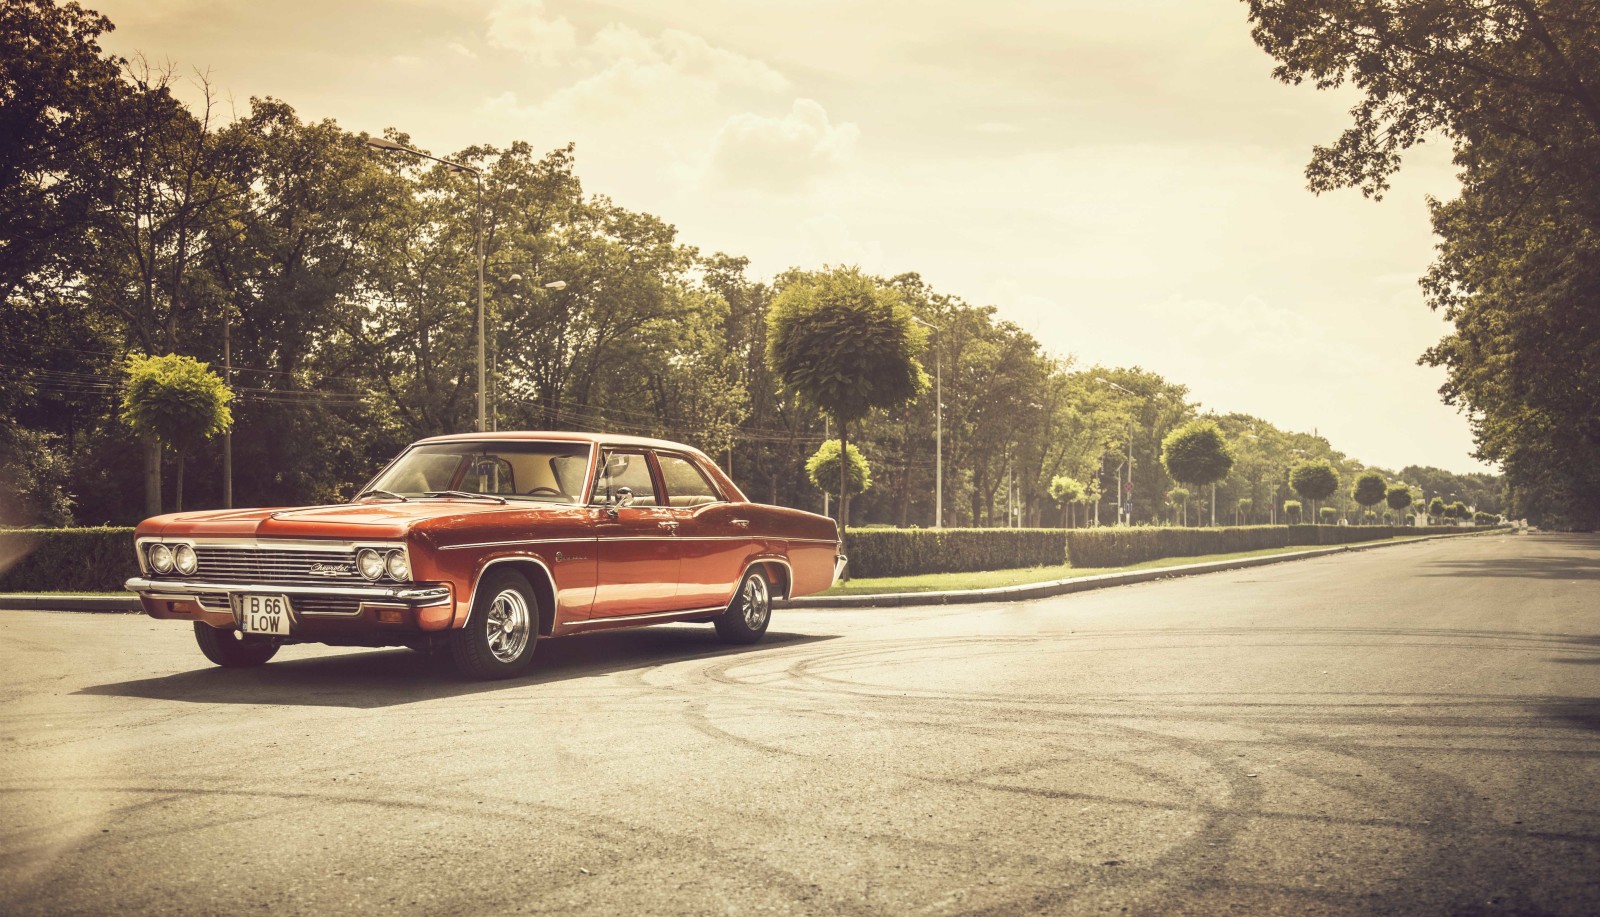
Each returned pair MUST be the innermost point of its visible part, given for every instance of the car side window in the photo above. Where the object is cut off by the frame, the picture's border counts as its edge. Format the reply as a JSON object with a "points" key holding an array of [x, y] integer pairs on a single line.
{"points": [[625, 469], [686, 484]]}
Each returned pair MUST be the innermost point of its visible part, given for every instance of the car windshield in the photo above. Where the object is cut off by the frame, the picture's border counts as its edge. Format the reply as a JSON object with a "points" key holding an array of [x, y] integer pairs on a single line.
{"points": [[532, 471]]}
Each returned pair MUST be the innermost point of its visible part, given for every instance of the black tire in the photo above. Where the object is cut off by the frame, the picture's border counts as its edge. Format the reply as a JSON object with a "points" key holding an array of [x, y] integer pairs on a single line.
{"points": [[502, 630], [749, 613], [231, 649]]}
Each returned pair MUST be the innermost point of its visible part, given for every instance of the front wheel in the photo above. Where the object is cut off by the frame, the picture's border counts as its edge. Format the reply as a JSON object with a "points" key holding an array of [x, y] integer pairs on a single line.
{"points": [[231, 649], [749, 613], [502, 630]]}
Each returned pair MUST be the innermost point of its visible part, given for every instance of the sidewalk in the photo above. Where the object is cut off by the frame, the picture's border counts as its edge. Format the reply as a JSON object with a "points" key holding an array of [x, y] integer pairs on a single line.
{"points": [[130, 602]]}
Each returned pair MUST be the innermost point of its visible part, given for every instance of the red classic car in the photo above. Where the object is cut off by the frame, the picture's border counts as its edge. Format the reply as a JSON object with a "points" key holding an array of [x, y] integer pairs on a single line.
{"points": [[479, 545]]}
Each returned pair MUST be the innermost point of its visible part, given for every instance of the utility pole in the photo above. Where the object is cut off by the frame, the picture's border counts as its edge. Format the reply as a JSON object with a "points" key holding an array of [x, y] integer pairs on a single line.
{"points": [[227, 435]]}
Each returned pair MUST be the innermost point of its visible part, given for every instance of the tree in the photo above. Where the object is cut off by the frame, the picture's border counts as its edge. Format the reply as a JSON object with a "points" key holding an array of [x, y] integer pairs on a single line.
{"points": [[846, 344], [1314, 480], [1196, 453], [1291, 509], [175, 401], [1436, 508], [1242, 511], [1398, 497], [1068, 493], [1179, 498], [823, 468], [1328, 515], [1511, 84], [1370, 490]]}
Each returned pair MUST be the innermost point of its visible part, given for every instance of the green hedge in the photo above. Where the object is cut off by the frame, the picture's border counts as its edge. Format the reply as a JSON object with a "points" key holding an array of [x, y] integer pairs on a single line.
{"points": [[66, 560], [908, 552]]}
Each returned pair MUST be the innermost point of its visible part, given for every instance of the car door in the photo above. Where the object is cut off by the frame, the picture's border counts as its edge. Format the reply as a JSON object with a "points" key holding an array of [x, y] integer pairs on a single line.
{"points": [[714, 535], [638, 561]]}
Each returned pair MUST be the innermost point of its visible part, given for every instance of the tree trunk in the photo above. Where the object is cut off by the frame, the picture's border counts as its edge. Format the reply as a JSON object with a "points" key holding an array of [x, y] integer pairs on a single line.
{"points": [[1213, 504], [152, 477], [177, 492]]}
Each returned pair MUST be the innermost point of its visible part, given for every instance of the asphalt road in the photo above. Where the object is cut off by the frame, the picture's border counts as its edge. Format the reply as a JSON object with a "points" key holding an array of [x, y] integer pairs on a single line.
{"points": [[1414, 729]]}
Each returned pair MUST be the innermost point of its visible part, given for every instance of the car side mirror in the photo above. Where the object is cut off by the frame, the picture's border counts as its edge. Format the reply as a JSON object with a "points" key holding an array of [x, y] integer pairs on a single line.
{"points": [[622, 500]]}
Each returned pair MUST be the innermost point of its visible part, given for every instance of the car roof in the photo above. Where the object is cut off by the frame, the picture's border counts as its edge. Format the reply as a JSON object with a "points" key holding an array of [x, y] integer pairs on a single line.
{"points": [[643, 442]]}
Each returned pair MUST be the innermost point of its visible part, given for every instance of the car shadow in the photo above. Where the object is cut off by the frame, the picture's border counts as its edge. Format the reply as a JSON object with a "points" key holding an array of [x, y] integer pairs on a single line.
{"points": [[373, 678]]}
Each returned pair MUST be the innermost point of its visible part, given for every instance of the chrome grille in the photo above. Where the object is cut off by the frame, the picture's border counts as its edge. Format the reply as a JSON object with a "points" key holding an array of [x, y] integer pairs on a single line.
{"points": [[268, 567], [325, 605]]}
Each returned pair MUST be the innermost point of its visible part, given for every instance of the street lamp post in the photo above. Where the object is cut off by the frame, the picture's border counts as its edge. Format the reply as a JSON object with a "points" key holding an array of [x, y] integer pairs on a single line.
{"points": [[938, 422], [1128, 496], [380, 143]]}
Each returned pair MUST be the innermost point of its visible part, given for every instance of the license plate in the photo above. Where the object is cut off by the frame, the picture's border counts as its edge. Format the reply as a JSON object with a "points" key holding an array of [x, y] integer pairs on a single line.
{"points": [[263, 614]]}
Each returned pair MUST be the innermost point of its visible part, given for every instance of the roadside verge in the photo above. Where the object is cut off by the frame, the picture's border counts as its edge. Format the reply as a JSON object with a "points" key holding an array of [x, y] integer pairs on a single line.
{"points": [[1085, 583]]}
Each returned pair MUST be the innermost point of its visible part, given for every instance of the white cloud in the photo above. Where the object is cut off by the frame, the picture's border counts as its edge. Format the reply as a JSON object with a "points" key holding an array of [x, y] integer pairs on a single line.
{"points": [[780, 154], [521, 25]]}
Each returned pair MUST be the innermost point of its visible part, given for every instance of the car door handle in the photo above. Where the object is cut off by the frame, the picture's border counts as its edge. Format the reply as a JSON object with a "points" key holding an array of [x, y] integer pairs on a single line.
{"points": [[741, 523]]}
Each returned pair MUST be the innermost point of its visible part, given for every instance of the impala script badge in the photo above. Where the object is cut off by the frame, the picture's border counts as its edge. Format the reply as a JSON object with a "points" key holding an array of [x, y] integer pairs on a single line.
{"points": [[331, 570]]}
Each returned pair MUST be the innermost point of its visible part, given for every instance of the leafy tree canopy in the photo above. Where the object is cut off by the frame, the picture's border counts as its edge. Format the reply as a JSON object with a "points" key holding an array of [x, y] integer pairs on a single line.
{"points": [[1399, 496], [1314, 480], [175, 399], [822, 468], [1196, 453], [1370, 489]]}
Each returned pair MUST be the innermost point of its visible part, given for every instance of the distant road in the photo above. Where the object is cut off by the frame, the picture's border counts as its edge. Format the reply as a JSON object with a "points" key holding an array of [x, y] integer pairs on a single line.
{"points": [[1410, 730]]}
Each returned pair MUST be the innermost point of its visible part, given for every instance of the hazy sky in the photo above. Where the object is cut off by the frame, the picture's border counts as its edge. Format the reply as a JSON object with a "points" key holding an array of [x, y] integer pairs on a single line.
{"points": [[1121, 178]]}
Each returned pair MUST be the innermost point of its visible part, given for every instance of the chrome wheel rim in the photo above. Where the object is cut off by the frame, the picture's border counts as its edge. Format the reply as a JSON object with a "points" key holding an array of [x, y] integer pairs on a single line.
{"points": [[509, 625], [755, 604]]}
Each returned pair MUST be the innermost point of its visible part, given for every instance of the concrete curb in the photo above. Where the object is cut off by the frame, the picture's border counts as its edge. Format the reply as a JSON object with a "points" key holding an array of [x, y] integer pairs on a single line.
{"points": [[1086, 583], [117, 604]]}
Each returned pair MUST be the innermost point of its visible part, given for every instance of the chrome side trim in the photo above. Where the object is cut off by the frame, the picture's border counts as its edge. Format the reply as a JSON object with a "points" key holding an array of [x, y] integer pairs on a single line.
{"points": [[274, 544], [648, 614], [832, 541], [517, 544], [555, 591]]}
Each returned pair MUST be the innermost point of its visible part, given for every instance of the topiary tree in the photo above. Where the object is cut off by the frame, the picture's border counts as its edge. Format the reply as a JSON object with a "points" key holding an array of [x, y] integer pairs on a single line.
{"points": [[1398, 497], [1458, 510], [1243, 510], [1314, 480], [1370, 490], [1436, 508], [1068, 493], [1291, 510], [177, 402], [1179, 497], [1196, 453], [845, 344], [822, 468], [1328, 515]]}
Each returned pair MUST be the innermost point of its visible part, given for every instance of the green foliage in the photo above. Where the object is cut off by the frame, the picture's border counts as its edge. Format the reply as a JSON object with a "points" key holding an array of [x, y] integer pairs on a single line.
{"points": [[1065, 490], [1510, 84], [66, 560], [1436, 507], [1328, 515], [902, 552], [823, 468], [845, 343], [1291, 509], [1196, 453], [35, 474], [1315, 480], [1370, 489], [1119, 546], [1398, 496], [175, 399]]}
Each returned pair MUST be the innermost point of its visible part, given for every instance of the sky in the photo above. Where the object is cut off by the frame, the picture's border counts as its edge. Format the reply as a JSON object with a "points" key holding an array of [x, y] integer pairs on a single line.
{"points": [[1123, 179]]}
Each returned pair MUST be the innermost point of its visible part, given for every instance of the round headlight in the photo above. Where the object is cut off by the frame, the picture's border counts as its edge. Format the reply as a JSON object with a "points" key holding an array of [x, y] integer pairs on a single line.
{"points": [[395, 563], [183, 557], [370, 563], [160, 558]]}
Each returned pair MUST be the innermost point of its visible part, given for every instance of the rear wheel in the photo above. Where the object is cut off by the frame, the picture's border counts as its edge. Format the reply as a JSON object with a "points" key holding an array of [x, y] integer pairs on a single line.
{"points": [[231, 649], [502, 630], [749, 613]]}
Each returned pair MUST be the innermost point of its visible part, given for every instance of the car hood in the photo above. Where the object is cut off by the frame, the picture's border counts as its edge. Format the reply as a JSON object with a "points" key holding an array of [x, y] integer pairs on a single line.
{"points": [[340, 520]]}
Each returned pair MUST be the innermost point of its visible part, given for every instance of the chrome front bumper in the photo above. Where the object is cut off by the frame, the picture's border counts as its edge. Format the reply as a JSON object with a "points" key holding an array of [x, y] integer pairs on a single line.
{"points": [[839, 563], [187, 590]]}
